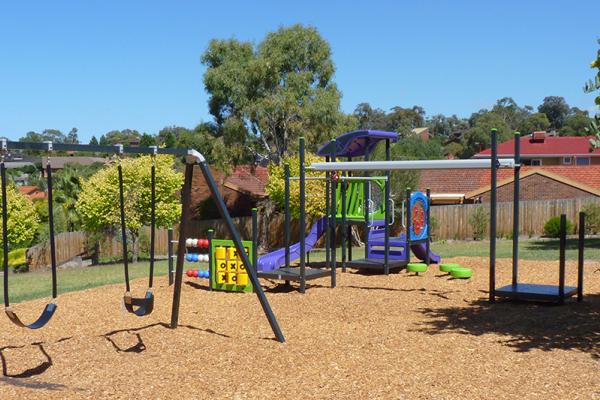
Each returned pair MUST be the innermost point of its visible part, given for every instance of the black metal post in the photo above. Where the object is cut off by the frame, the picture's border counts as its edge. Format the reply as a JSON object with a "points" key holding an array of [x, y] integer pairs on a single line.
{"points": [[218, 199], [185, 217], [516, 189], [302, 219], [254, 238], [387, 219], [344, 211], [210, 236], [123, 228], [286, 238], [170, 255], [408, 221], [327, 217], [367, 199], [427, 218], [349, 228], [561, 258], [333, 188], [580, 256], [4, 232], [493, 200]]}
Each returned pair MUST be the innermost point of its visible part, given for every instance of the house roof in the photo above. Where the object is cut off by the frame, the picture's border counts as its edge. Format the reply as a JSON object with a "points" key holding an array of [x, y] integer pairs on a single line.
{"points": [[248, 179], [550, 146], [476, 181], [356, 143], [32, 192]]}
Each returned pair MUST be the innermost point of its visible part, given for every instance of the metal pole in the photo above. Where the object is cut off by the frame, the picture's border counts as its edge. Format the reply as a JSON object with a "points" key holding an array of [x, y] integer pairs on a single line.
{"points": [[170, 254], [427, 218], [408, 221], [51, 228], [302, 219], [580, 256], [210, 236], [333, 221], [218, 199], [286, 239], [349, 228], [327, 217], [367, 198], [344, 225], [516, 187], [386, 203], [493, 200], [254, 238], [561, 257], [185, 217]]}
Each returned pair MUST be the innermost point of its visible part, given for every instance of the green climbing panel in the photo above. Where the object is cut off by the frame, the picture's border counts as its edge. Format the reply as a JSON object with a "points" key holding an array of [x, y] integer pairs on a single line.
{"points": [[355, 199]]}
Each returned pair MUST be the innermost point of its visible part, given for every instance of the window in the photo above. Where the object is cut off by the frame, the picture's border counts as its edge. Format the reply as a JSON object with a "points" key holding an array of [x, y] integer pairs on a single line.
{"points": [[567, 160], [536, 161], [582, 161]]}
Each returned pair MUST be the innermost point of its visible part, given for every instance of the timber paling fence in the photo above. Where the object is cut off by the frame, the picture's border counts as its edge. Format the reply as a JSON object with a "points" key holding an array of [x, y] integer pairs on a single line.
{"points": [[451, 222]]}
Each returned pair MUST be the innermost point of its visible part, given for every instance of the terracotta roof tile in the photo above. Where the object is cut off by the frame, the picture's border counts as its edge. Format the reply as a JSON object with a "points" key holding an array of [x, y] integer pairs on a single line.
{"points": [[552, 145]]}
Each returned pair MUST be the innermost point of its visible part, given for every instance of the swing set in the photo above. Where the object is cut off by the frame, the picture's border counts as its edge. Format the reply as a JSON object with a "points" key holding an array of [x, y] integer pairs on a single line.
{"points": [[138, 306]]}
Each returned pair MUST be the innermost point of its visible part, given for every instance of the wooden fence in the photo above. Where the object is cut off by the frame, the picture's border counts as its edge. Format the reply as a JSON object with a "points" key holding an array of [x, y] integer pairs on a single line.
{"points": [[452, 222]]}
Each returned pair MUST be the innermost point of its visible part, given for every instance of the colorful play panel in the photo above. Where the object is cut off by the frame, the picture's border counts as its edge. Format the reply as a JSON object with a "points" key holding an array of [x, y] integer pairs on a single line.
{"points": [[228, 271]]}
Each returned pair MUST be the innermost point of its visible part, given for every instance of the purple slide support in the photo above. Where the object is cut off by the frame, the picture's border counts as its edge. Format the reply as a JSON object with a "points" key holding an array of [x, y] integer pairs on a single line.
{"points": [[276, 259]]}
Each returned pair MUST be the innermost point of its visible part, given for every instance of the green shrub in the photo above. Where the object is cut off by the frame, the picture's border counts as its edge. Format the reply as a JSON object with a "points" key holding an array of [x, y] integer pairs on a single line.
{"points": [[16, 259], [479, 221], [592, 217], [552, 227]]}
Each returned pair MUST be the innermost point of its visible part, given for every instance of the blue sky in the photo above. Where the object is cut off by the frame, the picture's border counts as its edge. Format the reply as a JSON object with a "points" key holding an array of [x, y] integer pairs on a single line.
{"points": [[103, 65]]}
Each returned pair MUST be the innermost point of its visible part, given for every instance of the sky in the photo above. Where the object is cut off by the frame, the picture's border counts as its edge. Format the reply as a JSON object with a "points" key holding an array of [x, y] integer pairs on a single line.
{"points": [[105, 65]]}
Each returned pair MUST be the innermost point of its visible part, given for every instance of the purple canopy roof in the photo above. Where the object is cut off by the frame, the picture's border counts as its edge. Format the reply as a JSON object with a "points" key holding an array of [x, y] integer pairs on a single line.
{"points": [[356, 143]]}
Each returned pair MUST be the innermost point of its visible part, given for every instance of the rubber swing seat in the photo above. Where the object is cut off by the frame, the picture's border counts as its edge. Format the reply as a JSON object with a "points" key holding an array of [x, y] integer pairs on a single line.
{"points": [[416, 267], [461, 273], [448, 267]]}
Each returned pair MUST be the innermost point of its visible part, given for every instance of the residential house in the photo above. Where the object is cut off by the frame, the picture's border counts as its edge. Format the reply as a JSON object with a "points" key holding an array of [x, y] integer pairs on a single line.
{"points": [[541, 149]]}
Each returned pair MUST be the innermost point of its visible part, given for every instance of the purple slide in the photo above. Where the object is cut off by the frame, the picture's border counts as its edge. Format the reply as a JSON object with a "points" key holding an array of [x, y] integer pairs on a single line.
{"points": [[276, 259], [419, 250]]}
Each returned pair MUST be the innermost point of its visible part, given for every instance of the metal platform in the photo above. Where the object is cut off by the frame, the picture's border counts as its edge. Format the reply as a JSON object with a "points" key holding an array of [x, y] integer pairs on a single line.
{"points": [[528, 291], [293, 274], [375, 264]]}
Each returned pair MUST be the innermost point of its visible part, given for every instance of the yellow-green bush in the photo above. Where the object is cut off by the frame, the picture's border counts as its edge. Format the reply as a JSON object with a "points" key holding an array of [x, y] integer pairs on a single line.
{"points": [[315, 190]]}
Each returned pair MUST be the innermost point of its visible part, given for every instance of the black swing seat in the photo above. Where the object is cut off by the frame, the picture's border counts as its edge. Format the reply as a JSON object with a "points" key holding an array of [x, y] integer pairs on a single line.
{"points": [[144, 305], [43, 319]]}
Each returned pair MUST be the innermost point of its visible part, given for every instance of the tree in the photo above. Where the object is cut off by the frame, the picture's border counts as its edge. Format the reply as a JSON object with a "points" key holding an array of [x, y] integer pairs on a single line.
{"points": [[370, 118], [440, 125], [404, 120], [72, 137], [533, 123], [576, 124], [23, 220], [592, 86], [169, 135], [556, 109], [147, 140], [94, 141], [510, 112], [268, 96], [98, 202], [124, 137], [478, 137]]}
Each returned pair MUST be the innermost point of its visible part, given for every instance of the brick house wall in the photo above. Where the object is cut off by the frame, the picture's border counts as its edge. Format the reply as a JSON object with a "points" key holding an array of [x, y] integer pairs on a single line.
{"points": [[537, 187]]}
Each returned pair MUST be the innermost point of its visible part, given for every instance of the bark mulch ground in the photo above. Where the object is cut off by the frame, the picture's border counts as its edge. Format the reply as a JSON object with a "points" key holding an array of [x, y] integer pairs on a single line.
{"points": [[397, 337]]}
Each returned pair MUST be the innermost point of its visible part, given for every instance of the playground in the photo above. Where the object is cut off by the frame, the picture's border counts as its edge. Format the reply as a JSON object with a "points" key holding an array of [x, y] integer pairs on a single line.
{"points": [[395, 318], [375, 336]]}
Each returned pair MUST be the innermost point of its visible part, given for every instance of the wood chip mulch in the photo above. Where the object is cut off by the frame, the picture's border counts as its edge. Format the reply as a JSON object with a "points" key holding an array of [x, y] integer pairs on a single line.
{"points": [[372, 337]]}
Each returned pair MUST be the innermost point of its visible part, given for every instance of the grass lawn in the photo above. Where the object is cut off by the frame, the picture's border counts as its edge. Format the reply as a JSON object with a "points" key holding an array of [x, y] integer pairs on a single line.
{"points": [[34, 285], [530, 249]]}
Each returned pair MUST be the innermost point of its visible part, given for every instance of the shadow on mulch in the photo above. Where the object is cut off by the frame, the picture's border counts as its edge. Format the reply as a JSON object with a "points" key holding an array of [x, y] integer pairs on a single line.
{"points": [[28, 373], [139, 346], [526, 326]]}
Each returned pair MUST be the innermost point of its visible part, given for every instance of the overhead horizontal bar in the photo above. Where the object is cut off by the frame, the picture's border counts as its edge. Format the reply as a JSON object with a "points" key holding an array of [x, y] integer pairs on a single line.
{"points": [[308, 178], [408, 165], [362, 178], [114, 149]]}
